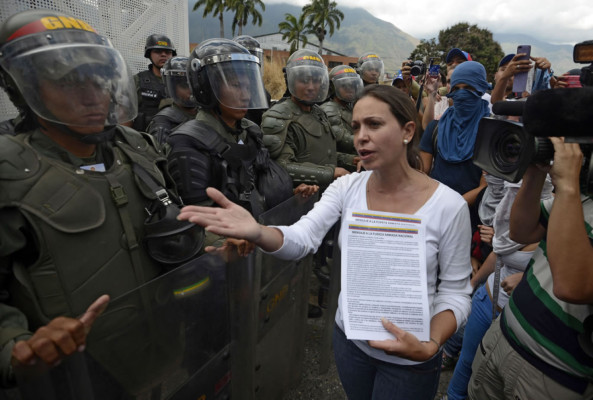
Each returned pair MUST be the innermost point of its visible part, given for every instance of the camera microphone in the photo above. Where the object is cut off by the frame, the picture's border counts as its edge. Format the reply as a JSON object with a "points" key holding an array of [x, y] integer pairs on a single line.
{"points": [[514, 108], [560, 112]]}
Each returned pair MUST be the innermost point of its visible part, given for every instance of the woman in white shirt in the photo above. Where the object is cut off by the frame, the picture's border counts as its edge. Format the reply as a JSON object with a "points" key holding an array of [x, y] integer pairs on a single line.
{"points": [[384, 127]]}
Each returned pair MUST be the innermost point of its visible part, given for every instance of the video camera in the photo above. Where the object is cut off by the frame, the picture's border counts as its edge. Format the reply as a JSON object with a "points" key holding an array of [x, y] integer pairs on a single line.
{"points": [[418, 67], [505, 148]]}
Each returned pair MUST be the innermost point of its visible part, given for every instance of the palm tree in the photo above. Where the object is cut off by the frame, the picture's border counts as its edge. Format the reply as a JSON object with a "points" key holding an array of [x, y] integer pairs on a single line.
{"points": [[243, 10], [214, 7], [322, 13], [293, 31]]}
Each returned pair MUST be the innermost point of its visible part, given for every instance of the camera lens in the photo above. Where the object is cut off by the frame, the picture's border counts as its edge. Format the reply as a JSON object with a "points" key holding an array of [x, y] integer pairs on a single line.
{"points": [[507, 152], [544, 150]]}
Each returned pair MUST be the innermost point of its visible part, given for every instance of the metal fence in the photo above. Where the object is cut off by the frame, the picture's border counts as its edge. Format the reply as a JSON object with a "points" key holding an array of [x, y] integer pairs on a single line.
{"points": [[127, 23]]}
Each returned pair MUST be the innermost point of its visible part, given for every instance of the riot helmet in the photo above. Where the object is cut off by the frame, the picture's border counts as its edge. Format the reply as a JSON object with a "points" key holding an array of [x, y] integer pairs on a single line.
{"points": [[253, 46], [157, 41], [370, 67], [168, 240], [345, 83], [221, 71], [174, 73], [306, 77], [64, 71]]}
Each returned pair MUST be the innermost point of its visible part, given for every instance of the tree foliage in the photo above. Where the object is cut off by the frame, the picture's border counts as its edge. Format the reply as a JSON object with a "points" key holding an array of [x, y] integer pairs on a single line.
{"points": [[426, 50], [243, 10], [321, 14], [293, 31], [476, 41], [214, 7]]}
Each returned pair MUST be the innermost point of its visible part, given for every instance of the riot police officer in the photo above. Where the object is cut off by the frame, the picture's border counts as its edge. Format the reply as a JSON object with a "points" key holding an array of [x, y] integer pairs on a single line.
{"points": [[296, 130], [370, 68], [149, 83], [345, 87], [226, 81], [254, 47], [72, 209], [184, 106], [220, 148]]}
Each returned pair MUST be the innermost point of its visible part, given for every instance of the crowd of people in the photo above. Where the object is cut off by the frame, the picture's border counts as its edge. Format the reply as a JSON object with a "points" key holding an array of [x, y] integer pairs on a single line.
{"points": [[194, 141]]}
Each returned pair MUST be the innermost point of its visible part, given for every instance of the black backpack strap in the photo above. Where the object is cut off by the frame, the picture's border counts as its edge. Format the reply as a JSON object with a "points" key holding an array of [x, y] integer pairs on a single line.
{"points": [[238, 157], [203, 136]]}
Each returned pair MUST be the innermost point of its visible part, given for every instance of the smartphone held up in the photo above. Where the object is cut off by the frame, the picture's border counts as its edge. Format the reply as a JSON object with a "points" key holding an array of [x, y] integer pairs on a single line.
{"points": [[521, 78]]}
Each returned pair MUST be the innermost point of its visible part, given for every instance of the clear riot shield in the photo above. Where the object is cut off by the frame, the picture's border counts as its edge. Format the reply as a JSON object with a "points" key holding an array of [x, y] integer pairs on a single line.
{"points": [[268, 323], [335, 264], [184, 334], [166, 339]]}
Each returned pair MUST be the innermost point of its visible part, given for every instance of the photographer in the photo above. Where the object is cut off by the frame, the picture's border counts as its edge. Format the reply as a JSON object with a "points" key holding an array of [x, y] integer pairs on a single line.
{"points": [[413, 87], [512, 64], [541, 346]]}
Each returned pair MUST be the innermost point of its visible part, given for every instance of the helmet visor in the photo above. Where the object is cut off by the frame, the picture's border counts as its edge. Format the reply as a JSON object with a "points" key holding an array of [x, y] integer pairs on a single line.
{"points": [[178, 88], [259, 53], [348, 87], [372, 70], [238, 83], [75, 84], [308, 83]]}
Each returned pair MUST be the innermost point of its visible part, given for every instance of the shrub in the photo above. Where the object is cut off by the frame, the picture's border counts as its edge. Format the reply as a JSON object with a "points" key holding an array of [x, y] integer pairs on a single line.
{"points": [[274, 79]]}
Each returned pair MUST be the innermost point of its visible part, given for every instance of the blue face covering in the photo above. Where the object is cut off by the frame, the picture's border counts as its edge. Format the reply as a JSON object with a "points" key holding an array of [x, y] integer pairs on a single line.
{"points": [[459, 124]]}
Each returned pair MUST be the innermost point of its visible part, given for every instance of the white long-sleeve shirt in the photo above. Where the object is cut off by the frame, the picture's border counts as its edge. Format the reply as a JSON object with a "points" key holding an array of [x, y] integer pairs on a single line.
{"points": [[448, 238]]}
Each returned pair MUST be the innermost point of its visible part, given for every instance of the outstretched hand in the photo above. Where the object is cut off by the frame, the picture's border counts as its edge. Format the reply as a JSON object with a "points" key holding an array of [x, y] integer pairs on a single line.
{"points": [[61, 337], [229, 219], [304, 190], [405, 344], [241, 246]]}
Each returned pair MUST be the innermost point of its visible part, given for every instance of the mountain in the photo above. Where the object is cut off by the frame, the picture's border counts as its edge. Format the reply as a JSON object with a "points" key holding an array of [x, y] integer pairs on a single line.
{"points": [[359, 32], [560, 55]]}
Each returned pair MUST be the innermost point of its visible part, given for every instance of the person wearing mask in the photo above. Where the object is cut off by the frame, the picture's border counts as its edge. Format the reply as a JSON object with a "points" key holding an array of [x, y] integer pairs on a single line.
{"points": [[450, 162]]}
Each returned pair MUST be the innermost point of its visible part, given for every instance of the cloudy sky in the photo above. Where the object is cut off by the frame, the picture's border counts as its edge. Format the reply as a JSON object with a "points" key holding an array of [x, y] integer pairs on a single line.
{"points": [[552, 21]]}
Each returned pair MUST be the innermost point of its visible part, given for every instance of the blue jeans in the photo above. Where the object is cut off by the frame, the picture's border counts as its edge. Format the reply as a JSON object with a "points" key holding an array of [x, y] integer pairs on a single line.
{"points": [[478, 322], [366, 378], [452, 346]]}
